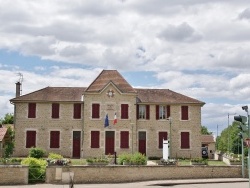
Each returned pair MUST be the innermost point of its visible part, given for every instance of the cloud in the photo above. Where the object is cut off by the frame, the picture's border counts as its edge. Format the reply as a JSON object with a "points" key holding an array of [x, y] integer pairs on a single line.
{"points": [[245, 14], [180, 33]]}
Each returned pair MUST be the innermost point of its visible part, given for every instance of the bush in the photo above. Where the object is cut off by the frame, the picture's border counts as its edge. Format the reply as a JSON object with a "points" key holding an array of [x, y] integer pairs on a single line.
{"points": [[136, 159], [55, 156], [36, 153], [37, 168], [125, 157]]}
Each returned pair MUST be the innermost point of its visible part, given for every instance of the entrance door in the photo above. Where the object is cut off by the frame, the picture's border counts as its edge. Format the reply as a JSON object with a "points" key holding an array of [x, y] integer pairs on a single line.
{"points": [[76, 144], [110, 142], [142, 142]]}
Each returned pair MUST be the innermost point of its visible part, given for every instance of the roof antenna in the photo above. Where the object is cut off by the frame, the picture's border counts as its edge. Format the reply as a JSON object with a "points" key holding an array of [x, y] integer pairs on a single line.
{"points": [[20, 81]]}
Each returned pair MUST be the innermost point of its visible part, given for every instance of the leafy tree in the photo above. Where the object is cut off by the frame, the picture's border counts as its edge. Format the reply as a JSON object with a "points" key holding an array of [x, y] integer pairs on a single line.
{"points": [[9, 145], [8, 119], [205, 131]]}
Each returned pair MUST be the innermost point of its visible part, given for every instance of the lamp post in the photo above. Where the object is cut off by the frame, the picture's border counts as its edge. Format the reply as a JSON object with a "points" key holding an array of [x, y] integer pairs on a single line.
{"points": [[228, 134], [170, 139]]}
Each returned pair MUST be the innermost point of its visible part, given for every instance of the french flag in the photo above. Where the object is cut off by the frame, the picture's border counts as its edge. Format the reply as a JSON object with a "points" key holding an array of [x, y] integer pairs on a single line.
{"points": [[115, 119]]}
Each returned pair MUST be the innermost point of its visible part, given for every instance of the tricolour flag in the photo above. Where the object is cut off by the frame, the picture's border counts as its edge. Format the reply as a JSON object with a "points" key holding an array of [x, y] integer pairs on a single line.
{"points": [[106, 121], [115, 119]]}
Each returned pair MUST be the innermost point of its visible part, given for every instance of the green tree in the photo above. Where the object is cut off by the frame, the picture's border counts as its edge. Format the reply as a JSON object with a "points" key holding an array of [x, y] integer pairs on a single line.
{"points": [[205, 131], [8, 119]]}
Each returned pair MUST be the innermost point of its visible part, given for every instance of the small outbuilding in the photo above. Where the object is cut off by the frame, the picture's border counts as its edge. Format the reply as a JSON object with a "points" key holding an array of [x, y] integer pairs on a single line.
{"points": [[3, 137], [208, 142]]}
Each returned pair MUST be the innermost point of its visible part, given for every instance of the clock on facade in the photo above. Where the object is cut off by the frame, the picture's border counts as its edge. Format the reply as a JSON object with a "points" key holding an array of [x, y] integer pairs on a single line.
{"points": [[110, 93]]}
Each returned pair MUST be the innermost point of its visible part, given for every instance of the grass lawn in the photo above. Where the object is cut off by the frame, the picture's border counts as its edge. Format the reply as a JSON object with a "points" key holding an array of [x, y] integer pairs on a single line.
{"points": [[78, 161]]}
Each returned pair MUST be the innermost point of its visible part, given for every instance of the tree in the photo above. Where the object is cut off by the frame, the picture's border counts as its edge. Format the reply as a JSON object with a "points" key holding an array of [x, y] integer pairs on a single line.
{"points": [[205, 131], [8, 119]]}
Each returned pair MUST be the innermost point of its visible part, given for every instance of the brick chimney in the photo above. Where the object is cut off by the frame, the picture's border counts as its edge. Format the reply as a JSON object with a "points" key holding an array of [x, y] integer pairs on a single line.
{"points": [[18, 89]]}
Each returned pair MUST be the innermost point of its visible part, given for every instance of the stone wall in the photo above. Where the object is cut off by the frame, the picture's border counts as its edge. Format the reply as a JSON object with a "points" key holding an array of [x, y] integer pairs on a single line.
{"points": [[13, 174], [119, 174]]}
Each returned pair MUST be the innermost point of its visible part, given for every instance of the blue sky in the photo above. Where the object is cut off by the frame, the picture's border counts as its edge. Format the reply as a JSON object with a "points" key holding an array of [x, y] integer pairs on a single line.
{"points": [[197, 48]]}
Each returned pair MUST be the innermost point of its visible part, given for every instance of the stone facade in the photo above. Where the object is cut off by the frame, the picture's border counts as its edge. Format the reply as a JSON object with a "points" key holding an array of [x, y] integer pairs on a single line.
{"points": [[109, 105]]}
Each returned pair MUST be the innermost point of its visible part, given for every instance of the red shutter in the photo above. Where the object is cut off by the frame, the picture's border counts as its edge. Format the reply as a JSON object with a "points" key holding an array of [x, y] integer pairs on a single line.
{"points": [[30, 139], [32, 110], [147, 112], [184, 113], [55, 139], [124, 142], [77, 111], [185, 140], [55, 110], [162, 136], [137, 111], [95, 139], [168, 111], [157, 112], [124, 111], [95, 110]]}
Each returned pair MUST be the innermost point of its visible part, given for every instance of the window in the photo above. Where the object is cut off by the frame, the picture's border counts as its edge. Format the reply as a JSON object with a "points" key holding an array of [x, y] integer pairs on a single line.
{"points": [[30, 139], [95, 111], [124, 111], [95, 137], [124, 142], [184, 113], [77, 111], [55, 110], [162, 111], [185, 140], [143, 112], [32, 110], [162, 136], [54, 139]]}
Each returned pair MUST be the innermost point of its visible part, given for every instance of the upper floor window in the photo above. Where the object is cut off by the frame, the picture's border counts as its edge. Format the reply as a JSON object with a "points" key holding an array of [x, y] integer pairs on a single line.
{"points": [[162, 111], [143, 112], [124, 111], [184, 113], [77, 111], [95, 110], [55, 110], [32, 110], [185, 140]]}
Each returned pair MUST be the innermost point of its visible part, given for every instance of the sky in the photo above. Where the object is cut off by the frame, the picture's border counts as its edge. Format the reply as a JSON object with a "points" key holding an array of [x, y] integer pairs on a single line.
{"points": [[197, 48]]}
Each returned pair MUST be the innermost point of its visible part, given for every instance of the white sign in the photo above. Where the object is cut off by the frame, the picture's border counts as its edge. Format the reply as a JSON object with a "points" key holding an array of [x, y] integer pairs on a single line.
{"points": [[165, 150]]}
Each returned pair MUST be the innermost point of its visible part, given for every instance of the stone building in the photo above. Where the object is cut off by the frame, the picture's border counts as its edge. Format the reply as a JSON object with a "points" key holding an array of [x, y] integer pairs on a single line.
{"points": [[106, 117]]}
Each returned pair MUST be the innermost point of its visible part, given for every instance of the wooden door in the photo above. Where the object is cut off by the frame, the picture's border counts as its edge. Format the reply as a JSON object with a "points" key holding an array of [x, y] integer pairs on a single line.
{"points": [[110, 142], [76, 144], [142, 142]]}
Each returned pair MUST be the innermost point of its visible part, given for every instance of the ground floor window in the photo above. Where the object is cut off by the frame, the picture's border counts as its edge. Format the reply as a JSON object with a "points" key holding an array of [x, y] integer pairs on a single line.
{"points": [[95, 139], [124, 139], [54, 139], [30, 139], [162, 136], [185, 140]]}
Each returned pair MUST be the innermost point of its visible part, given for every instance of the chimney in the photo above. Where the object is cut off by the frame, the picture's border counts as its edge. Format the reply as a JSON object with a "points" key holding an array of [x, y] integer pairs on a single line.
{"points": [[18, 89]]}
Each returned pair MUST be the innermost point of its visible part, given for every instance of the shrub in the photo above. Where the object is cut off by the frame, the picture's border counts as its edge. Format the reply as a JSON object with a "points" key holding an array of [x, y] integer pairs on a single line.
{"points": [[139, 159], [55, 156], [36, 153], [125, 157], [37, 168], [97, 160]]}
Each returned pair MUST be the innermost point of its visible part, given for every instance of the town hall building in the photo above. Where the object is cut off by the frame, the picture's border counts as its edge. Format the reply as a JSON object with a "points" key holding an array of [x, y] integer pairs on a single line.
{"points": [[107, 116]]}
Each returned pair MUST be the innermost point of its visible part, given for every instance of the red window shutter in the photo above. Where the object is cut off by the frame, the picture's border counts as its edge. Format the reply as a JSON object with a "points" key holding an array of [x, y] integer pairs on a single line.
{"points": [[124, 111], [147, 112], [162, 136], [157, 112], [95, 110], [95, 139], [77, 110], [30, 139], [32, 110], [184, 113], [55, 110], [137, 111], [124, 142], [168, 111], [185, 140], [55, 139]]}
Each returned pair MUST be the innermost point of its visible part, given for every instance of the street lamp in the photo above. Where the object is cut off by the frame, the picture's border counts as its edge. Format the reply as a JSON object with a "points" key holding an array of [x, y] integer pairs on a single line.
{"points": [[228, 134]]}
